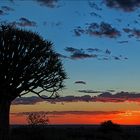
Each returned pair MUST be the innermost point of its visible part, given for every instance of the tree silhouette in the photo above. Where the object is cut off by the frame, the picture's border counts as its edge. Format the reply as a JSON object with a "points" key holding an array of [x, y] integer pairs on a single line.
{"points": [[28, 64]]}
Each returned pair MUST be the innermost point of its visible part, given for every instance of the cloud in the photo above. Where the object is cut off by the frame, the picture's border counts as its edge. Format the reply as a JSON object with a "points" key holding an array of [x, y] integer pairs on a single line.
{"points": [[23, 22], [117, 58], [95, 91], [84, 112], [119, 97], [2, 12], [89, 91], [27, 100], [125, 5], [100, 30], [132, 32], [76, 54], [72, 50], [93, 50], [71, 112], [111, 90], [80, 82], [82, 55], [78, 31], [7, 8], [95, 14], [122, 42], [49, 3], [103, 97], [93, 5]]}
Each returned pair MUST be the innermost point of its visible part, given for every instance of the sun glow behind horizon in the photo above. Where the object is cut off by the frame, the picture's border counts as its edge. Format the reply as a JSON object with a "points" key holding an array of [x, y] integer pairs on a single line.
{"points": [[80, 112]]}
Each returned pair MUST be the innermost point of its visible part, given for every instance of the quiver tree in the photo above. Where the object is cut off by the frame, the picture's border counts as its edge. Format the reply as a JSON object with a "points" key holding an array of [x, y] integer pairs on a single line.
{"points": [[28, 64]]}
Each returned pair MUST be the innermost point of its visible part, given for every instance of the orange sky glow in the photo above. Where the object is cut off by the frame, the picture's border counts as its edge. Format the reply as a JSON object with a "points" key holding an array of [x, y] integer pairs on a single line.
{"points": [[127, 113]]}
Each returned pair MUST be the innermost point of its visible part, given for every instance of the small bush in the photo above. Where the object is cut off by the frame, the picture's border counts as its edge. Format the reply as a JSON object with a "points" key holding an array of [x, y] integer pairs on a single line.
{"points": [[37, 118], [109, 126]]}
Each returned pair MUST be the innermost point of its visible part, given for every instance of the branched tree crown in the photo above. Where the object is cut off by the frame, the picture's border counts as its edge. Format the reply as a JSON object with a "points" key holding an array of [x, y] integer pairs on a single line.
{"points": [[28, 64]]}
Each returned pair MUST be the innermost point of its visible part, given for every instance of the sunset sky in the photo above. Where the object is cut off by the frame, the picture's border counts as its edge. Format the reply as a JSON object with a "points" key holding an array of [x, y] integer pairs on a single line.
{"points": [[99, 44]]}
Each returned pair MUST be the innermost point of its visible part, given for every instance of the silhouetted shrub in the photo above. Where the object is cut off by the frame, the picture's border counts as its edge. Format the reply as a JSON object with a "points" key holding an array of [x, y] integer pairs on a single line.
{"points": [[109, 126], [37, 118]]}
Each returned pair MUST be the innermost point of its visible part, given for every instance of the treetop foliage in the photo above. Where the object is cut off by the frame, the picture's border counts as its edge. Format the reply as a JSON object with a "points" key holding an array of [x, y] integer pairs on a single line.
{"points": [[28, 64]]}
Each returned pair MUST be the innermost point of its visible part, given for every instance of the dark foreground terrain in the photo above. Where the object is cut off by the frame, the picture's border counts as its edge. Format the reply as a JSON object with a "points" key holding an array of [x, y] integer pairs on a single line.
{"points": [[74, 132]]}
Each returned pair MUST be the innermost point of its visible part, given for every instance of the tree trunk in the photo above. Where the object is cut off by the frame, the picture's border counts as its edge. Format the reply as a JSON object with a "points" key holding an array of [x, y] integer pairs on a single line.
{"points": [[4, 119]]}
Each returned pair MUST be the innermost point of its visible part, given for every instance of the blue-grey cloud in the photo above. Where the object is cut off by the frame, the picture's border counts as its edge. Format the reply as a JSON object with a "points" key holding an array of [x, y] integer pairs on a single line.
{"points": [[78, 31], [100, 30], [7, 8], [93, 5], [2, 12], [89, 91], [23, 22], [125, 5], [95, 15], [49, 3], [80, 82], [103, 97], [76, 54], [122, 42], [82, 55], [132, 32], [58, 113]]}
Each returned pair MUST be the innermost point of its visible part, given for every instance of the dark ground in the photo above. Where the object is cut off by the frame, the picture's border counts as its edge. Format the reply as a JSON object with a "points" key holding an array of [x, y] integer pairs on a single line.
{"points": [[74, 132]]}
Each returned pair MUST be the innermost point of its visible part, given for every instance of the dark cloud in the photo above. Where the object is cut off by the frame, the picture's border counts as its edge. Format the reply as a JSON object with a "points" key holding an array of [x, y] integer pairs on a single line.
{"points": [[82, 55], [49, 3], [95, 15], [93, 5], [78, 31], [122, 42], [27, 100], [93, 49], [111, 90], [108, 51], [7, 8], [84, 112], [99, 54], [136, 22], [56, 24], [71, 49], [71, 112], [119, 20], [89, 91], [80, 82], [2, 12], [117, 58], [94, 91], [125, 5], [103, 97], [132, 32], [23, 22], [103, 29], [100, 30], [78, 53], [127, 30]]}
